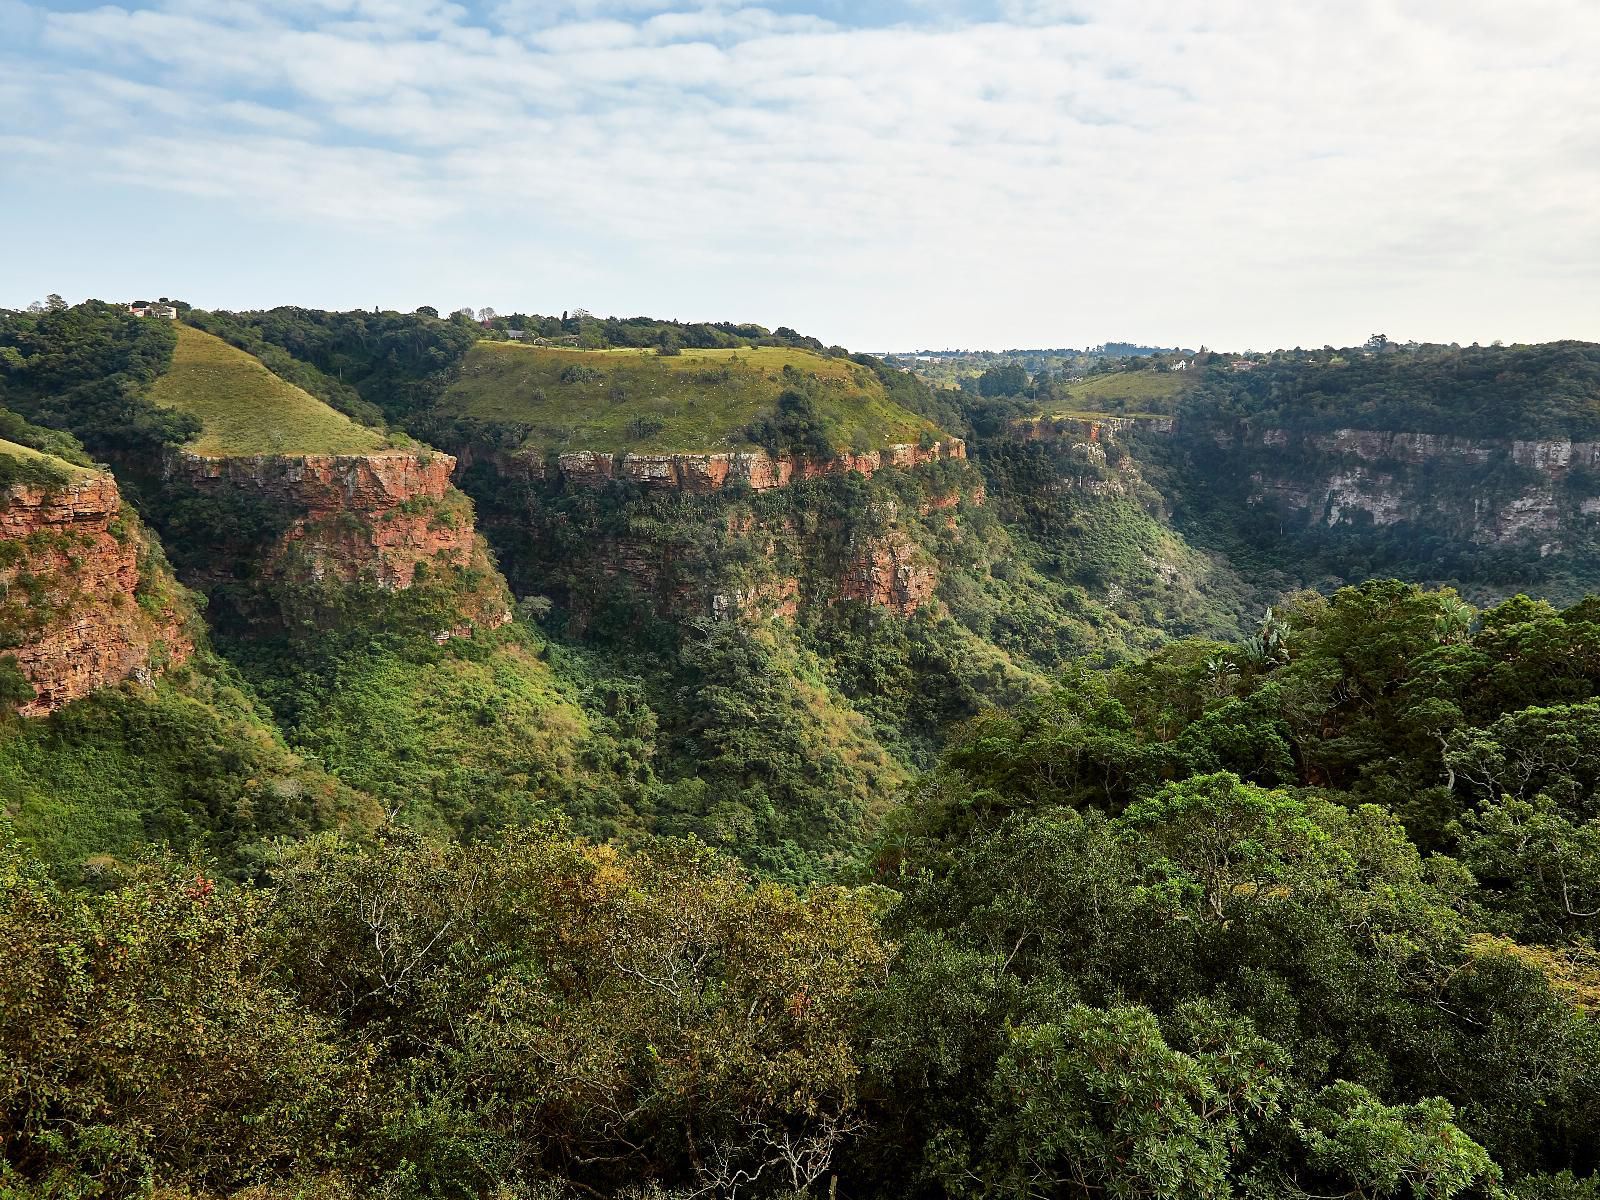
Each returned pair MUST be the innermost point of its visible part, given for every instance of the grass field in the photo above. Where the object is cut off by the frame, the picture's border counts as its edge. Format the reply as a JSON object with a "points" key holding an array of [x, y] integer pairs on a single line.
{"points": [[620, 400], [1124, 393], [247, 409], [38, 457]]}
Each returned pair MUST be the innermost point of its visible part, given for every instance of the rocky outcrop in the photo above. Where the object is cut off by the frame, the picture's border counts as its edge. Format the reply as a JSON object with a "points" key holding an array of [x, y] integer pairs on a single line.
{"points": [[759, 561], [1091, 454], [1490, 491], [376, 519], [713, 471], [1554, 457], [1089, 429], [353, 517], [889, 572], [80, 611]]}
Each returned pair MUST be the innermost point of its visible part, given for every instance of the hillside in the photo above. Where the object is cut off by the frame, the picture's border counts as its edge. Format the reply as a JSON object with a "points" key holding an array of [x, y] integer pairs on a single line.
{"points": [[631, 400], [1122, 393], [24, 464], [245, 409]]}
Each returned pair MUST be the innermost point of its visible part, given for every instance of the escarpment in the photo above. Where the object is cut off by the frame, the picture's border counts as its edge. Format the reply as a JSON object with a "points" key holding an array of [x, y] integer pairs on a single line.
{"points": [[1543, 493], [690, 546], [1084, 455], [699, 473], [84, 600], [386, 520]]}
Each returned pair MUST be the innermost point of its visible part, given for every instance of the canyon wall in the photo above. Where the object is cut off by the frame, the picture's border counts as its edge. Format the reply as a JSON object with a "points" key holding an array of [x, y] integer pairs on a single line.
{"points": [[782, 564], [1483, 491], [84, 603], [700, 473], [1089, 429], [1495, 492], [377, 519], [688, 546]]}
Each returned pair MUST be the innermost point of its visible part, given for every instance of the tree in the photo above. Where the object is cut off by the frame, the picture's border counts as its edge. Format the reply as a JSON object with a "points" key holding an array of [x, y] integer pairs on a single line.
{"points": [[1377, 1150], [1099, 1103]]}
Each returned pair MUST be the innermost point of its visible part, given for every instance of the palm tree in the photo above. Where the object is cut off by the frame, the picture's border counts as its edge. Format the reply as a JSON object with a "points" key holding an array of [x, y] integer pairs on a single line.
{"points": [[1454, 622]]}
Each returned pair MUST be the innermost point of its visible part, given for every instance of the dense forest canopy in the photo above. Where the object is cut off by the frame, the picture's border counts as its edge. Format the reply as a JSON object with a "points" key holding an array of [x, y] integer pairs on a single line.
{"points": [[1307, 915], [1547, 390]]}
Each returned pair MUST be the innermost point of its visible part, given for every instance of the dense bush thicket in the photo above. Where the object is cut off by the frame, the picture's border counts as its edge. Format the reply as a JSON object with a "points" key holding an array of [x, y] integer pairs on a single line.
{"points": [[364, 364], [1549, 390], [641, 333], [192, 763], [1312, 914], [85, 369]]}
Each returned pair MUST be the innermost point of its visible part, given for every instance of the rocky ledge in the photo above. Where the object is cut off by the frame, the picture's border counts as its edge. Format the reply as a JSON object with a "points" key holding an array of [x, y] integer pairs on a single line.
{"points": [[1388, 477], [71, 578], [1088, 429], [354, 517], [712, 471]]}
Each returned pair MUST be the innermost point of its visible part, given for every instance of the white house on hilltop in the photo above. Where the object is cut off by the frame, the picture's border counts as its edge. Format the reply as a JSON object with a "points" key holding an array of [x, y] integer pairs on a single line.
{"points": [[158, 308]]}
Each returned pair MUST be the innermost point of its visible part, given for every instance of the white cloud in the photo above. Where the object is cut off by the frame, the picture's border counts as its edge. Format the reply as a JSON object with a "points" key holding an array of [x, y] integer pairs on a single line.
{"points": [[1148, 165]]}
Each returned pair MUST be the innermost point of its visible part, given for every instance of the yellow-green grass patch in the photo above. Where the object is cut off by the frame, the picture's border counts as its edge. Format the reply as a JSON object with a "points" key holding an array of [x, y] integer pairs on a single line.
{"points": [[1124, 393], [38, 457], [622, 400], [246, 409]]}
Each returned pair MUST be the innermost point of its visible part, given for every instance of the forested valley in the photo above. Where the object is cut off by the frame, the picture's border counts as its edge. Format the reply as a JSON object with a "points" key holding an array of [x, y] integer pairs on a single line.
{"points": [[545, 757]]}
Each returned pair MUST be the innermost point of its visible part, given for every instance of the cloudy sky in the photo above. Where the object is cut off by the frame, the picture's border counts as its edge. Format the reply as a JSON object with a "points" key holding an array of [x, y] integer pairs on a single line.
{"points": [[889, 174]]}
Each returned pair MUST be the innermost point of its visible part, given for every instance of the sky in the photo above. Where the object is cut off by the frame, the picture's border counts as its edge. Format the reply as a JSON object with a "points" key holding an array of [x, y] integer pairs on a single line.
{"points": [[882, 174]]}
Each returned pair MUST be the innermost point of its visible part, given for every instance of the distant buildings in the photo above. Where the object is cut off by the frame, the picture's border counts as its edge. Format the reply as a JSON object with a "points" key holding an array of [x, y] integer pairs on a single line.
{"points": [[157, 308]]}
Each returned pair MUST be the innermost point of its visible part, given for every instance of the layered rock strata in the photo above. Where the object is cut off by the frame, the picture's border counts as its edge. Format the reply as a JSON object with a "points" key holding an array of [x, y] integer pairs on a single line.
{"points": [[376, 519], [77, 611], [713, 471]]}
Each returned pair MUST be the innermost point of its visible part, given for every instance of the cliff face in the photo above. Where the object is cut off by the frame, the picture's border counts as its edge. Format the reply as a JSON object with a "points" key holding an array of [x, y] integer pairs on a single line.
{"points": [[83, 606], [1488, 491], [1090, 455], [889, 572], [711, 472], [784, 564], [376, 519], [687, 549], [1089, 429]]}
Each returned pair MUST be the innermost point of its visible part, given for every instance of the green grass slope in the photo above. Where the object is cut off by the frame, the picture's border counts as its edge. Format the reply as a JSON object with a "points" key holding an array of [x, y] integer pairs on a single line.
{"points": [[30, 455], [1124, 394], [21, 464], [246, 409], [633, 400]]}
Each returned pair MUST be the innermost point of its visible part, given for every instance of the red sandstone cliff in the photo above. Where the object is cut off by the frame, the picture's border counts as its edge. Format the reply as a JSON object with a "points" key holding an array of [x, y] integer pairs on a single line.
{"points": [[80, 609], [358, 518], [786, 563], [889, 572]]}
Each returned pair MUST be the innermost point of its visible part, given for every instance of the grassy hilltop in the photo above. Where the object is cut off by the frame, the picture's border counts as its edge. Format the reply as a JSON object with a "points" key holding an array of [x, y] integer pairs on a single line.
{"points": [[24, 464], [1123, 394], [246, 409], [620, 400]]}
